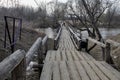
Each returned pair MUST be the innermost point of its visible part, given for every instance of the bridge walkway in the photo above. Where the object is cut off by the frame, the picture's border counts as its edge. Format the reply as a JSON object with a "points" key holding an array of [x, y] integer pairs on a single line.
{"points": [[69, 64]]}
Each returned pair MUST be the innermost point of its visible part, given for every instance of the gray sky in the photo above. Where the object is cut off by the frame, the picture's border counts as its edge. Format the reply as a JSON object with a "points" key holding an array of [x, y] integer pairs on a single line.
{"points": [[33, 4]]}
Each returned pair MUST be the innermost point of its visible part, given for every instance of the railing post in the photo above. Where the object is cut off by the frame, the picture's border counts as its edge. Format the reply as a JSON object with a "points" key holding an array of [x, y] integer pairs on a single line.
{"points": [[107, 52], [19, 73]]}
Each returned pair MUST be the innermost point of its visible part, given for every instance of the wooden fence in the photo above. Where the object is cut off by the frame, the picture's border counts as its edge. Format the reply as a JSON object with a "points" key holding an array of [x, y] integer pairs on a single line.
{"points": [[16, 64], [106, 47], [56, 40]]}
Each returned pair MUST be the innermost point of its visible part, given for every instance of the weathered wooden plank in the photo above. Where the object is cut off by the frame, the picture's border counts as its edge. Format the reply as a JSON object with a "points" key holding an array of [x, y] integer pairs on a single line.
{"points": [[83, 54], [79, 55], [53, 56], [114, 71], [97, 71], [56, 71], [87, 56], [74, 55], [69, 56], [47, 71], [48, 55], [107, 72], [81, 71], [58, 55], [90, 71], [73, 71], [64, 71], [64, 58]]}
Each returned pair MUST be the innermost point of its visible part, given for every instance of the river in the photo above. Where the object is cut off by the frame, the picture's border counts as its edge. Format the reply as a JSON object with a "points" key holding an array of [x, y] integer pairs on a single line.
{"points": [[105, 32]]}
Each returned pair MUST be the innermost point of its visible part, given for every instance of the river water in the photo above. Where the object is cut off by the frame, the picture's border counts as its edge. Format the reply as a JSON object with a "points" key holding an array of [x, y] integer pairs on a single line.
{"points": [[105, 32], [109, 32]]}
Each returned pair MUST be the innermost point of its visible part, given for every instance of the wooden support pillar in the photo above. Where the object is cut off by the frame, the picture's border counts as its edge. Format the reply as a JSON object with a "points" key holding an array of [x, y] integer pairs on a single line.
{"points": [[19, 73], [108, 52]]}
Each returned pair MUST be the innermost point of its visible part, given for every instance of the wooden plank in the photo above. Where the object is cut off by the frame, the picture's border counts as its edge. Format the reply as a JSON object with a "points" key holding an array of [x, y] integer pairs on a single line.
{"points": [[58, 55], [74, 55], [81, 71], [87, 56], [47, 71], [56, 71], [64, 71], [79, 55], [48, 55], [114, 71], [90, 71], [97, 71], [107, 72], [83, 54], [52, 56], [69, 56], [73, 71], [64, 58]]}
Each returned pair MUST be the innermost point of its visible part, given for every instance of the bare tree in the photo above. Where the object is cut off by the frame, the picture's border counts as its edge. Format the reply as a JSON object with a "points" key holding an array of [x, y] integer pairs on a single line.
{"points": [[89, 12]]}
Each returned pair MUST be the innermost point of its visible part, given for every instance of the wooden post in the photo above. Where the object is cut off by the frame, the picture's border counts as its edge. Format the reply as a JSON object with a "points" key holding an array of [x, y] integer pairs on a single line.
{"points": [[19, 73], [12, 64], [107, 52]]}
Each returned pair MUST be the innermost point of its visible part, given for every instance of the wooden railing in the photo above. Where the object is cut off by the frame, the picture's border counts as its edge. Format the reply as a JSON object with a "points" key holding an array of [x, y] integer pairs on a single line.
{"points": [[16, 63], [109, 51], [76, 40], [56, 40], [33, 50], [44, 45]]}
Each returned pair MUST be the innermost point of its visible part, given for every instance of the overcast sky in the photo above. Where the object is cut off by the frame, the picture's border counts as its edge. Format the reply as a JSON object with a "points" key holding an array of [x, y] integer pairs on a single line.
{"points": [[33, 4]]}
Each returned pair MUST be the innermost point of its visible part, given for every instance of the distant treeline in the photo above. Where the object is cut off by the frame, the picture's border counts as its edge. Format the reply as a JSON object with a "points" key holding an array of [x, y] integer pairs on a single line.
{"points": [[38, 16]]}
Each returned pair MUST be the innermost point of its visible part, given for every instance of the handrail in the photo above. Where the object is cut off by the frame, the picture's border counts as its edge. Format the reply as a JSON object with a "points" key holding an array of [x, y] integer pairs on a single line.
{"points": [[44, 45], [96, 42], [33, 50], [56, 40], [109, 50], [116, 44], [10, 63], [58, 34], [44, 40], [76, 40]]}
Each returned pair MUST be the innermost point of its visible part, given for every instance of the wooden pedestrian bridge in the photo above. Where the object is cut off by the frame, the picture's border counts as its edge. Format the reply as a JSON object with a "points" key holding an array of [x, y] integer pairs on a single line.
{"points": [[65, 62]]}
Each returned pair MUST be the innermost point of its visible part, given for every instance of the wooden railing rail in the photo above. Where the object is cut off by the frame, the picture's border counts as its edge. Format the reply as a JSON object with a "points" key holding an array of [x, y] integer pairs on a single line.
{"points": [[14, 65], [109, 51], [44, 45], [96, 42], [76, 40], [56, 40], [33, 50]]}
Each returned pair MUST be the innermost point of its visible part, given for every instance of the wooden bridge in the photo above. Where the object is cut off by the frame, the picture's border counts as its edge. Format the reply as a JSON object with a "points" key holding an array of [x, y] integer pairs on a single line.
{"points": [[66, 62], [69, 64]]}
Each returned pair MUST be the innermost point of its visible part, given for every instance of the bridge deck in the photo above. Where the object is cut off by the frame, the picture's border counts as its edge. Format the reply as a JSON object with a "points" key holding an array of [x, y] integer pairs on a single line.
{"points": [[69, 64]]}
